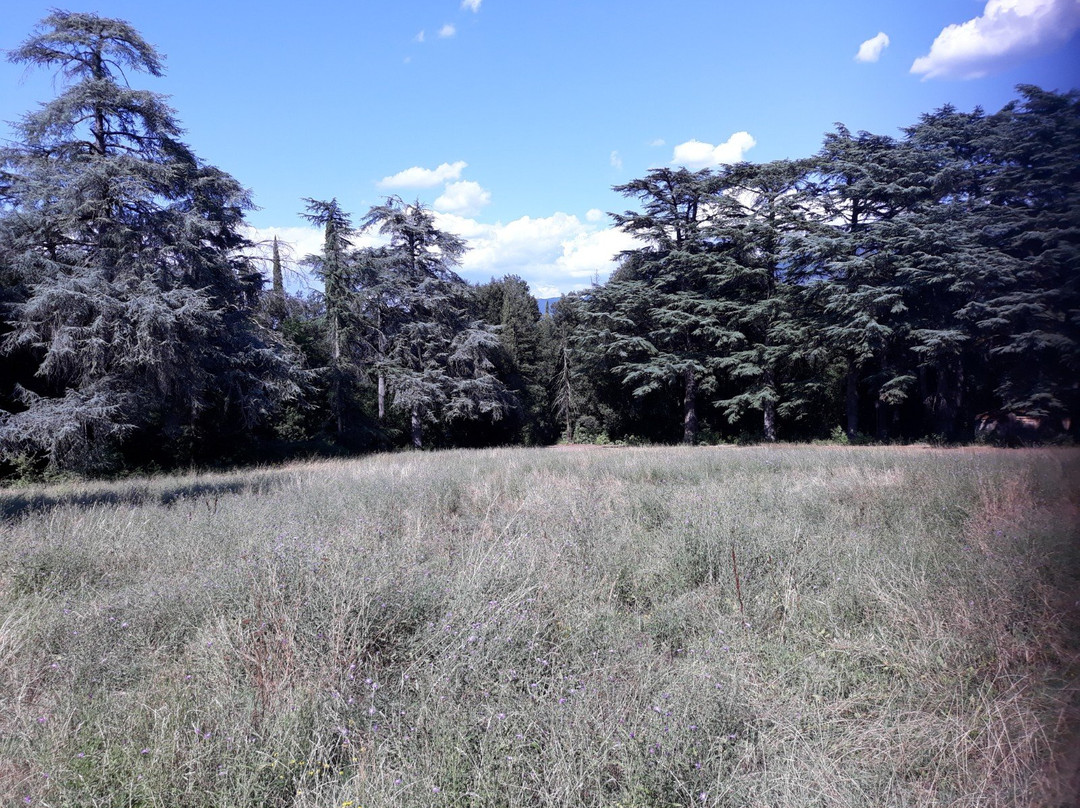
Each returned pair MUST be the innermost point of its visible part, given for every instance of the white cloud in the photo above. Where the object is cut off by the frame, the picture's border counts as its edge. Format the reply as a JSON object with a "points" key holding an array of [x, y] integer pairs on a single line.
{"points": [[553, 254], [658, 142], [616, 161], [417, 177], [472, 5], [447, 31], [695, 154], [465, 197], [1007, 31], [419, 37], [591, 254], [870, 50]]}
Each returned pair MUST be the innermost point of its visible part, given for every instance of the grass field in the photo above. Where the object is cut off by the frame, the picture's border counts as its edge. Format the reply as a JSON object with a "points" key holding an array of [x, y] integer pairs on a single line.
{"points": [[777, 626]]}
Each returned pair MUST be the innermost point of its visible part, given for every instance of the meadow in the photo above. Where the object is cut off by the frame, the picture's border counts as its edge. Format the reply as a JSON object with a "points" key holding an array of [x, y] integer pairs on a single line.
{"points": [[759, 626]]}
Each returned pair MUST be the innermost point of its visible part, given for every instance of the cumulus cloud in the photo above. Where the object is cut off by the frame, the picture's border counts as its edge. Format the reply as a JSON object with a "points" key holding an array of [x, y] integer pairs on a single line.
{"points": [[417, 177], [616, 161], [594, 215], [472, 5], [553, 254], [1006, 32], [593, 253], [447, 31], [870, 50], [465, 197], [694, 154]]}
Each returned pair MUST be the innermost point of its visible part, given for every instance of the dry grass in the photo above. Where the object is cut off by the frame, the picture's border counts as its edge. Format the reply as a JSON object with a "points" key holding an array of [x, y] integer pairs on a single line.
{"points": [[547, 627]]}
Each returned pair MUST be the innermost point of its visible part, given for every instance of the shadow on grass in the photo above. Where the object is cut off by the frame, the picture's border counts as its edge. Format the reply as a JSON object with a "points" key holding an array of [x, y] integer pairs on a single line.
{"points": [[15, 504]]}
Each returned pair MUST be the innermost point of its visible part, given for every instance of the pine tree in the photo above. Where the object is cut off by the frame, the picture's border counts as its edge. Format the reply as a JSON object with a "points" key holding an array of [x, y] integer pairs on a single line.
{"points": [[863, 190], [1028, 314], [437, 354], [659, 319], [337, 271], [761, 291], [130, 252], [508, 304]]}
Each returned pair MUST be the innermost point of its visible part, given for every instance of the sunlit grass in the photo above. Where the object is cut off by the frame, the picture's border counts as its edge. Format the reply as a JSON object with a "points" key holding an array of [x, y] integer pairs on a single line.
{"points": [[634, 627]]}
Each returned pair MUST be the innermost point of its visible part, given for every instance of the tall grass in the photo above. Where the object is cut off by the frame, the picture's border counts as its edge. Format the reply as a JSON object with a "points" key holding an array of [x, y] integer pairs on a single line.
{"points": [[632, 627]]}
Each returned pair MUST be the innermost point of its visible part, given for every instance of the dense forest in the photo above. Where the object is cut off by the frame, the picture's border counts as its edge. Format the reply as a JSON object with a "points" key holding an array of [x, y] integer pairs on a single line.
{"points": [[885, 288]]}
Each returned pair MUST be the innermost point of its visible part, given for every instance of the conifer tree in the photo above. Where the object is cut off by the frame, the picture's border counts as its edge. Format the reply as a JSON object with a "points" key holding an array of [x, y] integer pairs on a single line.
{"points": [[660, 319], [438, 358], [135, 313], [761, 291], [335, 268]]}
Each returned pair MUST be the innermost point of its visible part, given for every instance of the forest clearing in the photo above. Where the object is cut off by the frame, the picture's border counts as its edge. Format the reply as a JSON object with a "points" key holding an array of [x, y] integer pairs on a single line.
{"points": [[721, 626]]}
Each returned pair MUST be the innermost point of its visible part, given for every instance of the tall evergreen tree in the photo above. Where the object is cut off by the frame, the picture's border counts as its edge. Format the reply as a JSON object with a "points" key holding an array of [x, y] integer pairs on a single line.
{"points": [[508, 304], [335, 268], [1029, 312], [659, 319], [438, 357], [863, 189], [129, 249], [760, 291]]}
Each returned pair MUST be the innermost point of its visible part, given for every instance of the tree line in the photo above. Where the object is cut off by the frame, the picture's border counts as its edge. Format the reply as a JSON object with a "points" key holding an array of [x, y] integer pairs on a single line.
{"points": [[893, 287], [889, 287]]}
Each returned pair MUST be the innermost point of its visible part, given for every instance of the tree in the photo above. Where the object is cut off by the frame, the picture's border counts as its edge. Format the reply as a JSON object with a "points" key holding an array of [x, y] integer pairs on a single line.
{"points": [[761, 293], [1028, 313], [437, 354], [863, 189], [659, 318], [335, 268], [129, 255], [508, 304]]}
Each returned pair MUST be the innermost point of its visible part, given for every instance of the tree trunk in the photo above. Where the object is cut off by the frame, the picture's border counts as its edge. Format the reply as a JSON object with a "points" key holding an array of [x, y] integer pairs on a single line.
{"points": [[690, 423], [417, 428], [381, 342], [768, 412], [949, 399], [851, 400], [339, 407], [882, 411], [276, 278]]}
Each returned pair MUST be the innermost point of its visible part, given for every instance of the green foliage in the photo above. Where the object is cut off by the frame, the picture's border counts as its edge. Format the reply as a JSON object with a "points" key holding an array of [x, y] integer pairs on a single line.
{"points": [[903, 285], [898, 287], [132, 324]]}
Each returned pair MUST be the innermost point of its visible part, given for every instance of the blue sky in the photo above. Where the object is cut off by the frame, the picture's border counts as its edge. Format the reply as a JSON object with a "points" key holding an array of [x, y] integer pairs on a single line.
{"points": [[513, 118]]}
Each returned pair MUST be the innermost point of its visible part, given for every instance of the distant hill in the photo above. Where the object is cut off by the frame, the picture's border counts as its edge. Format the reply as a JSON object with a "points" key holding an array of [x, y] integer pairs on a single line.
{"points": [[545, 302]]}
